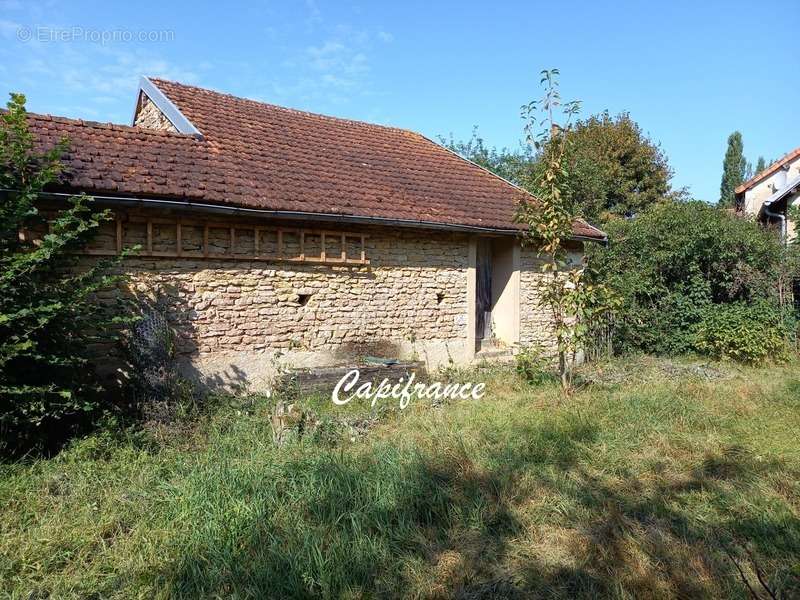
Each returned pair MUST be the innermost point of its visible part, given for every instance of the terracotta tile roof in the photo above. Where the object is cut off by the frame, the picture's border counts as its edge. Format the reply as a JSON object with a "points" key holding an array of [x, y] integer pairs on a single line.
{"points": [[126, 161], [755, 179], [257, 155]]}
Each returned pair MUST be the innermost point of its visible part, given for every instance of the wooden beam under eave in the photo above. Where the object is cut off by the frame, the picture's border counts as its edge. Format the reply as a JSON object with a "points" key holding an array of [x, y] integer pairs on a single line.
{"points": [[119, 235]]}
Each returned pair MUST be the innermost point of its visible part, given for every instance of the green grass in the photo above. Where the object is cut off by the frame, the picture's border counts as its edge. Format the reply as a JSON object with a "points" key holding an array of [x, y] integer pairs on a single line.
{"points": [[640, 485]]}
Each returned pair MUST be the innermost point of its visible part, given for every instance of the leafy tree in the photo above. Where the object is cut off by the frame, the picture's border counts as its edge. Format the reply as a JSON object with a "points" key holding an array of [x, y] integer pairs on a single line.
{"points": [[733, 170], [678, 262], [615, 170], [761, 164], [46, 313], [508, 164], [572, 300]]}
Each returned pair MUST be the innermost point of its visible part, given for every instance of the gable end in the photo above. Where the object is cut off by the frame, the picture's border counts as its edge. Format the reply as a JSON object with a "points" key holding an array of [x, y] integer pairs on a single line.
{"points": [[149, 116], [155, 111]]}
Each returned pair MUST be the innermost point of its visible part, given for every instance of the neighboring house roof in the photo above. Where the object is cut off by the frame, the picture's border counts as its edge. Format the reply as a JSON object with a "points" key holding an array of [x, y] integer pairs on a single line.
{"points": [[761, 175], [791, 187], [244, 153]]}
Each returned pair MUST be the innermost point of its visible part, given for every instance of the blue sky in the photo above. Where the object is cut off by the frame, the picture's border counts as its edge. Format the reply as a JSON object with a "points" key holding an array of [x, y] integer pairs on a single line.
{"points": [[688, 72]]}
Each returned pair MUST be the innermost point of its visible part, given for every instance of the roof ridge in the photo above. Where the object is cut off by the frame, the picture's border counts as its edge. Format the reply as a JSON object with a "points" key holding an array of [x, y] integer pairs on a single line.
{"points": [[485, 170], [288, 109]]}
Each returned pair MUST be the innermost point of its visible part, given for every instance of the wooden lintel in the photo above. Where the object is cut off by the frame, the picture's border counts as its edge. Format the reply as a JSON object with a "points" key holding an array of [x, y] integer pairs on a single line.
{"points": [[302, 245]]}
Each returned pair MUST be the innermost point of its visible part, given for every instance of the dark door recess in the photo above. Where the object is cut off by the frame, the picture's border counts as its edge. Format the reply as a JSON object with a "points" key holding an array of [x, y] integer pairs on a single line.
{"points": [[483, 290]]}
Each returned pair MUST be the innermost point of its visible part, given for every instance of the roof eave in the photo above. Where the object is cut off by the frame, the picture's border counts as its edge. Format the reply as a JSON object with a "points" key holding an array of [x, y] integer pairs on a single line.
{"points": [[297, 215], [792, 188]]}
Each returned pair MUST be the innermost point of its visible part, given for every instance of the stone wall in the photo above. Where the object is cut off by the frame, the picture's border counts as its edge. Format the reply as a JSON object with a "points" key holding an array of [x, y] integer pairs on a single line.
{"points": [[226, 306], [149, 117], [240, 320], [535, 320]]}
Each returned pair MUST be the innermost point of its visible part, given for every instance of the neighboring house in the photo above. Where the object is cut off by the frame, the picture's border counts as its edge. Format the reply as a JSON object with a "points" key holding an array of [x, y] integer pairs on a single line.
{"points": [[769, 194], [275, 236]]}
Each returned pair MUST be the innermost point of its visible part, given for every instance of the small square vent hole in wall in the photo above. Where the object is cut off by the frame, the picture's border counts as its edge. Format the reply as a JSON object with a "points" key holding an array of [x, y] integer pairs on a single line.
{"points": [[302, 299], [439, 297]]}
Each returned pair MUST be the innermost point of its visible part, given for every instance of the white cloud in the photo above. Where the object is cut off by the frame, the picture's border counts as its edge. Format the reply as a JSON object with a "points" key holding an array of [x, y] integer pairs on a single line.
{"points": [[338, 63], [327, 55], [104, 78], [332, 71], [314, 63]]}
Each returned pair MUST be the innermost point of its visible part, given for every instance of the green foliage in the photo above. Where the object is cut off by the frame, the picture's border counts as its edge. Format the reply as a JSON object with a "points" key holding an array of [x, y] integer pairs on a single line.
{"points": [[532, 367], [733, 170], [508, 164], [573, 300], [548, 213], [47, 320], [748, 333], [615, 170], [676, 262]]}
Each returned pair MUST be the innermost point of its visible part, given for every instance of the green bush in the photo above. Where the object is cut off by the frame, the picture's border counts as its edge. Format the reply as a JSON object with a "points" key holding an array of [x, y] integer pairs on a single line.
{"points": [[742, 332], [533, 367], [48, 319], [676, 263]]}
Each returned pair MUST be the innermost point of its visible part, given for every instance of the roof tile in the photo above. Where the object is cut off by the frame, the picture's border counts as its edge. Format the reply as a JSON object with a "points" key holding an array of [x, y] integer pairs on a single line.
{"points": [[258, 155]]}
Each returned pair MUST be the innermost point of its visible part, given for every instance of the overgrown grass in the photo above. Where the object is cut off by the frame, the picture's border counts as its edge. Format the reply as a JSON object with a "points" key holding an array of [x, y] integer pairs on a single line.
{"points": [[643, 484]]}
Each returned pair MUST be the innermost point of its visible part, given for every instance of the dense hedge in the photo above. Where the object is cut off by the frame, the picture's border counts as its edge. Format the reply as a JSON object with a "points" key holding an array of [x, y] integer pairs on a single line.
{"points": [[48, 317], [694, 278], [747, 333]]}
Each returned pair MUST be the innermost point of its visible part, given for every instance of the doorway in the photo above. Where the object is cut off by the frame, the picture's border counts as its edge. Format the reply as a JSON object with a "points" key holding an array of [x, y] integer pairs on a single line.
{"points": [[496, 292], [483, 290]]}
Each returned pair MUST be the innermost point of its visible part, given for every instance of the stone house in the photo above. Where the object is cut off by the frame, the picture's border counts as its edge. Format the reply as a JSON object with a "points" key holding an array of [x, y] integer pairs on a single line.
{"points": [[274, 236], [769, 194]]}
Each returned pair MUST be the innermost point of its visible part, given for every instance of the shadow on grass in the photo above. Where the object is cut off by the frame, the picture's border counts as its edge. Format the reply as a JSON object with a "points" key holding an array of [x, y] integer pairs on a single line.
{"points": [[439, 523], [637, 539]]}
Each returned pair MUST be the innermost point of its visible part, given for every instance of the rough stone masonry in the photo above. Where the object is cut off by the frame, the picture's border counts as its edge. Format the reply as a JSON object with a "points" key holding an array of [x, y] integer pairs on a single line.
{"points": [[242, 321]]}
